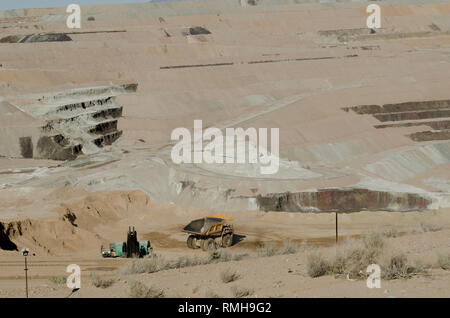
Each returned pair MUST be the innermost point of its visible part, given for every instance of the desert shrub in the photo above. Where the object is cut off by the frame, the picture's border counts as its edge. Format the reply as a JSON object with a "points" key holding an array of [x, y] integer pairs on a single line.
{"points": [[430, 227], [352, 260], [149, 265], [390, 233], [240, 292], [317, 265], [185, 261], [140, 290], [373, 242], [58, 280], [267, 250], [289, 247], [222, 255], [101, 282], [229, 276], [398, 267], [219, 255], [444, 261], [158, 263]]}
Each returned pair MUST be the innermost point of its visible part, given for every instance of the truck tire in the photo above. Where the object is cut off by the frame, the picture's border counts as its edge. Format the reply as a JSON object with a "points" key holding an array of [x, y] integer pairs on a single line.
{"points": [[208, 244], [227, 240], [191, 242]]}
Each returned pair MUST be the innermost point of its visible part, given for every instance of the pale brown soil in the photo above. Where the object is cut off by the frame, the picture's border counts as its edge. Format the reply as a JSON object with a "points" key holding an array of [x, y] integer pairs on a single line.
{"points": [[276, 276]]}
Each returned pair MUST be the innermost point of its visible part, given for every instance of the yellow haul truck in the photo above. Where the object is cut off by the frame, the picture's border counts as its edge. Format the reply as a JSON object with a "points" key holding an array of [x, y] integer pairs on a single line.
{"points": [[209, 233]]}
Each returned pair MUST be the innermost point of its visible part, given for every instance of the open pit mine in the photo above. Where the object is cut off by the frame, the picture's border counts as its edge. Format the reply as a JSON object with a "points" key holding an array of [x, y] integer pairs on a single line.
{"points": [[87, 115]]}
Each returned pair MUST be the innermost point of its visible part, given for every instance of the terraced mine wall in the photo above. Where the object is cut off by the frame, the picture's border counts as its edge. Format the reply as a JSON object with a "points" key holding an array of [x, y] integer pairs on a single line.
{"points": [[403, 113], [63, 125], [35, 38], [342, 200]]}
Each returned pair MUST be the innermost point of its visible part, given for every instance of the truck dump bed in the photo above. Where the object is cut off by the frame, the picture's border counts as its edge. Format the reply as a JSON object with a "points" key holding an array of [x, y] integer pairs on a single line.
{"points": [[201, 226]]}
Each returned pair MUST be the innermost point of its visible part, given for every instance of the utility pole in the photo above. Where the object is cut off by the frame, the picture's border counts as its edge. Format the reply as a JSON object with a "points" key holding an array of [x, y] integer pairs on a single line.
{"points": [[336, 227], [25, 252]]}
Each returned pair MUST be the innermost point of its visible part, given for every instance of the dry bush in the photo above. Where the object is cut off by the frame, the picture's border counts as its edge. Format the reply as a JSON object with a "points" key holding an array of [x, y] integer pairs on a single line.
{"points": [[158, 263], [317, 265], [140, 290], [58, 280], [373, 241], [289, 247], [150, 265], [267, 250], [101, 282], [430, 227], [444, 261], [222, 255], [229, 275], [398, 267], [240, 292], [353, 258], [390, 233], [186, 261], [219, 255]]}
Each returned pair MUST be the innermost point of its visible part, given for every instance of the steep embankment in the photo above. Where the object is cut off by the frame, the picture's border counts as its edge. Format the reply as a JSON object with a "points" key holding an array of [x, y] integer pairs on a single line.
{"points": [[79, 226]]}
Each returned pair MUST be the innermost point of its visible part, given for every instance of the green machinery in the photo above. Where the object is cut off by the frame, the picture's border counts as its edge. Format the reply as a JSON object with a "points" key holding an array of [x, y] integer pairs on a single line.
{"points": [[131, 248]]}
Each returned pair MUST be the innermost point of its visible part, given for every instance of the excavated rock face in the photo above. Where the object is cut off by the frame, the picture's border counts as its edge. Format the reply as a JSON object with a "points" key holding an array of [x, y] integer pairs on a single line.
{"points": [[5, 233], [433, 113], [34, 38], [342, 200], [76, 121]]}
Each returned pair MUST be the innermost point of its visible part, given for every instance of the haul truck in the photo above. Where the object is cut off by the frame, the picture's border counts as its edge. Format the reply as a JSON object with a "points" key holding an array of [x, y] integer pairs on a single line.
{"points": [[209, 233]]}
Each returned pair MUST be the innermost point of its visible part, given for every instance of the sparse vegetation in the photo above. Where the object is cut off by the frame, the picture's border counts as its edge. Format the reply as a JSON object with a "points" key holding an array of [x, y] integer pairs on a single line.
{"points": [[444, 261], [229, 275], [289, 247], [353, 258], [317, 265], [185, 261], [58, 280], [222, 255], [399, 267], [101, 282], [240, 292], [158, 263], [149, 265], [430, 227], [140, 290], [219, 255], [267, 250], [390, 233]]}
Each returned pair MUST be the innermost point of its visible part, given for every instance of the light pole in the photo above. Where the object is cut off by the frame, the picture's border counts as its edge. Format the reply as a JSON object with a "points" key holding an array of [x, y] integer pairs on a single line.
{"points": [[336, 227], [25, 252]]}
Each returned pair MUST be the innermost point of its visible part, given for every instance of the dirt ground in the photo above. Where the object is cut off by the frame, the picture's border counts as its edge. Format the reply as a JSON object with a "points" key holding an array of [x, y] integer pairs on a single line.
{"points": [[422, 236], [300, 76]]}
